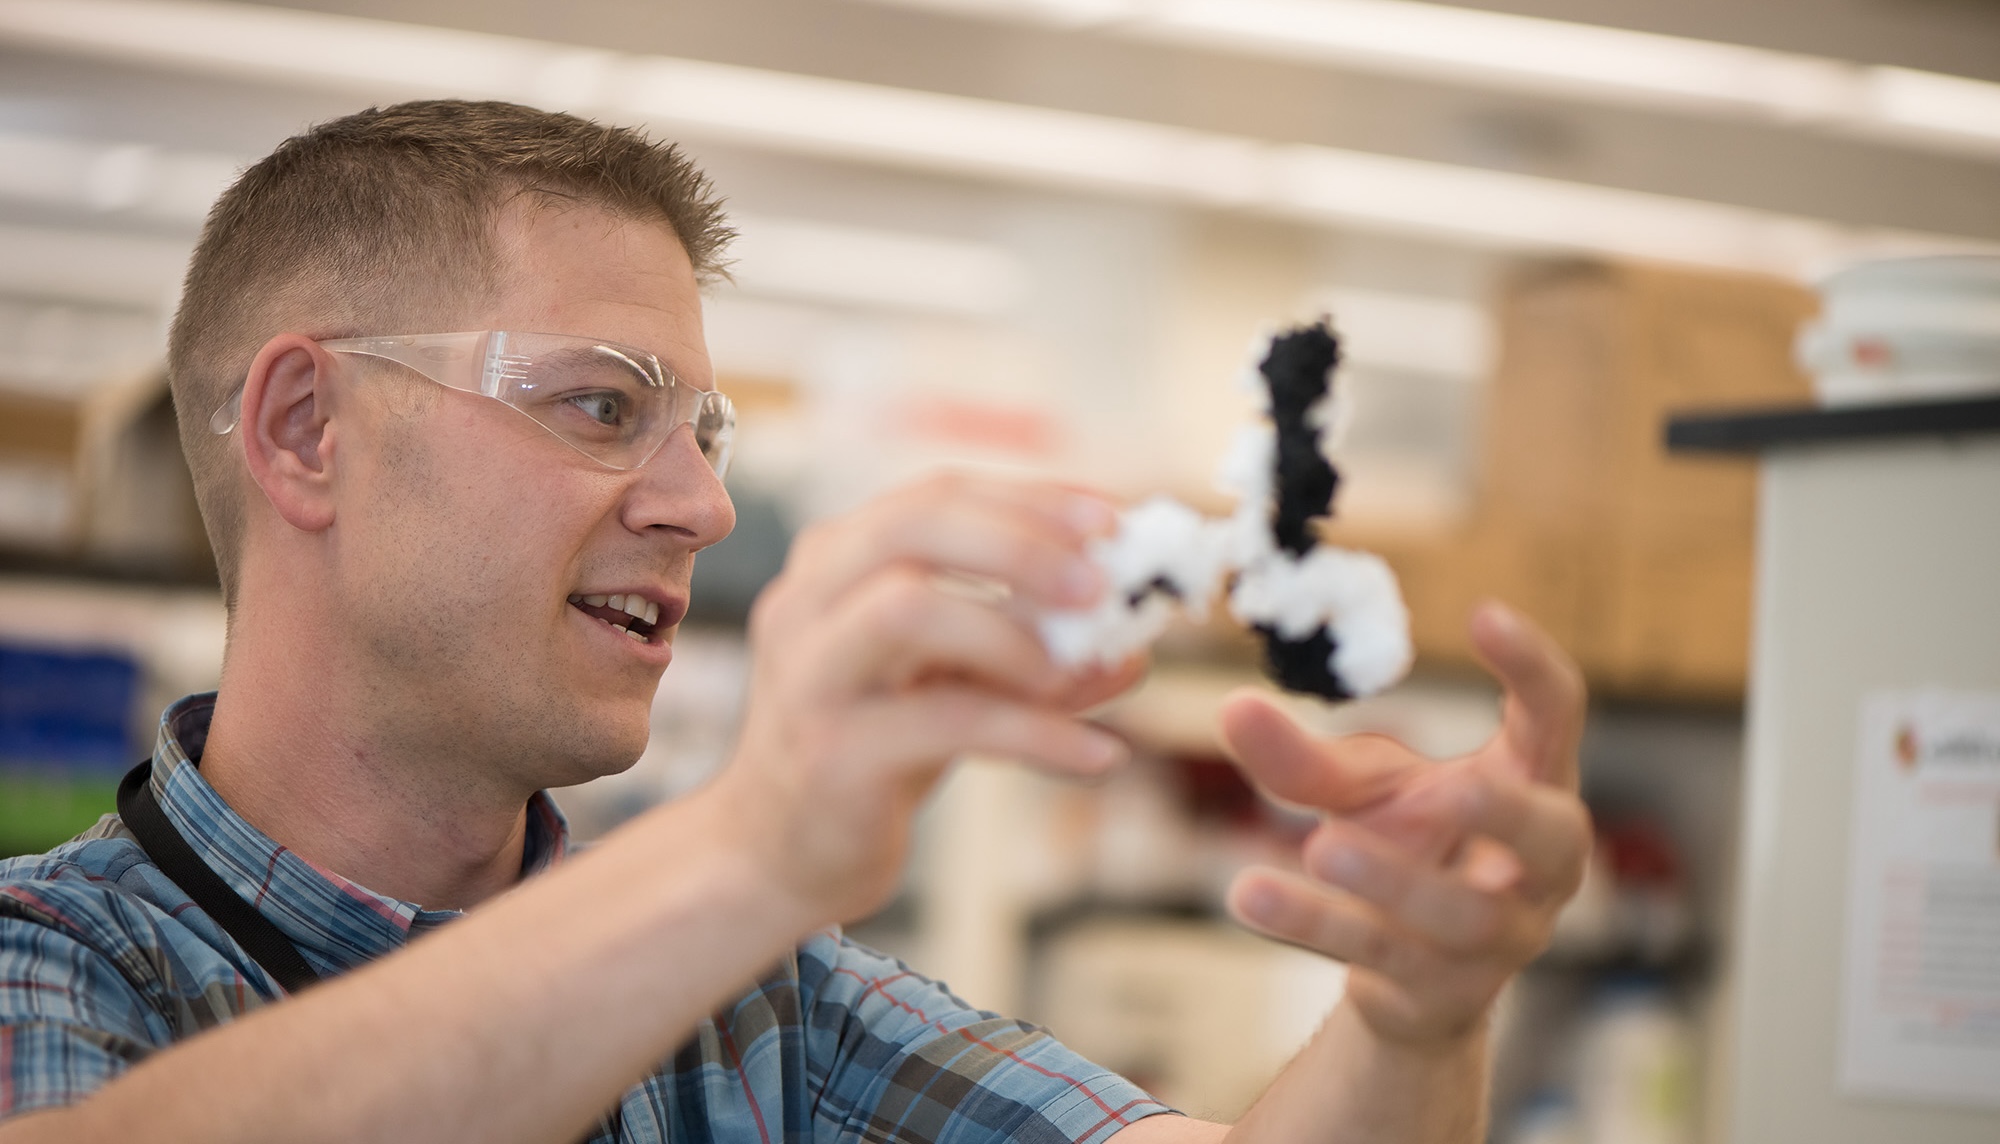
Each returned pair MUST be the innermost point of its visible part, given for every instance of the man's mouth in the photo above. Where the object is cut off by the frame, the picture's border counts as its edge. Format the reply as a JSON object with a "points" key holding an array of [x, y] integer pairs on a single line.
{"points": [[634, 615]]}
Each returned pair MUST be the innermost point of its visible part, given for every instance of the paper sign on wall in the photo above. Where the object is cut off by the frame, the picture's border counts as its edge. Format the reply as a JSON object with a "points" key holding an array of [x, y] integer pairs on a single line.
{"points": [[1922, 1005]]}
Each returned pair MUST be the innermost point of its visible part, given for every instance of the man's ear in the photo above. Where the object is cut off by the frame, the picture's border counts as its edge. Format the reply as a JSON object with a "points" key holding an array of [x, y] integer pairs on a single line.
{"points": [[287, 429]]}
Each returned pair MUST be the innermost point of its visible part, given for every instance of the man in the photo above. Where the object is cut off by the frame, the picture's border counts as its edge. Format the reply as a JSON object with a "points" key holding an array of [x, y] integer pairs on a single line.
{"points": [[440, 607]]}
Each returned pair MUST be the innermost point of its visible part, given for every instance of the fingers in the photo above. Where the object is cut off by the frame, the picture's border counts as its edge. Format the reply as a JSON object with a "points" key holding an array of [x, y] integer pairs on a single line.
{"points": [[1430, 952], [1426, 815], [924, 728], [1441, 905], [1029, 537], [1293, 764], [902, 626], [1296, 910], [1435, 992], [1543, 719], [1436, 882], [1545, 828], [1093, 684], [1544, 831], [898, 638]]}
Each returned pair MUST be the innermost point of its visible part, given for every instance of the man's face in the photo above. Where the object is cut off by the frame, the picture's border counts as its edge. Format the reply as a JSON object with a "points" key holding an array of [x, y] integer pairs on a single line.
{"points": [[468, 535]]}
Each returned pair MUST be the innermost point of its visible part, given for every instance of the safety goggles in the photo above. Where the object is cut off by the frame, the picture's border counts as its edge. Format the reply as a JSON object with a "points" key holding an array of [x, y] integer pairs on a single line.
{"points": [[613, 403]]}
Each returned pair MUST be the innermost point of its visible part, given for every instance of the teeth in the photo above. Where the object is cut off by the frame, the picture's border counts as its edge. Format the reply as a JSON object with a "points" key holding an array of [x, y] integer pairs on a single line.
{"points": [[632, 604], [635, 635]]}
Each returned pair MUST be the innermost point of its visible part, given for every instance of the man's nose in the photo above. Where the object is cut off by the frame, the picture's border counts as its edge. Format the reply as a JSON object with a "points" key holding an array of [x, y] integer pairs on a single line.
{"points": [[679, 491]]}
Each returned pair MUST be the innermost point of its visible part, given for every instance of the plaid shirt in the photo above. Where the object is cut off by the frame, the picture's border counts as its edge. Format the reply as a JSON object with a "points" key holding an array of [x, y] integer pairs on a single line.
{"points": [[103, 961]]}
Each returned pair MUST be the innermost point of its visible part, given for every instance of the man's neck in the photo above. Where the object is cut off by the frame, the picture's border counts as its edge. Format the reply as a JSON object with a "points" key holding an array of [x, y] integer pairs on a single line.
{"points": [[354, 802]]}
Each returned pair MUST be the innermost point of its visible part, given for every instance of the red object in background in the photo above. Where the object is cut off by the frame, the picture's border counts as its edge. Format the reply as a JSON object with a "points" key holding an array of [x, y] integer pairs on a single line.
{"points": [[1640, 852], [1211, 789], [1872, 353]]}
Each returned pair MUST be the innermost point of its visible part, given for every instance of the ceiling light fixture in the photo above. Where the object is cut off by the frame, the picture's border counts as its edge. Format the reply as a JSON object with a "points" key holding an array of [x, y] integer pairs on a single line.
{"points": [[927, 131], [1557, 57]]}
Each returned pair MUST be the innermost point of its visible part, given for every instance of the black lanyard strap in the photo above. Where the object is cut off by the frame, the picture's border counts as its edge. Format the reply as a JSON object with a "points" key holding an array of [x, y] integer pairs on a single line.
{"points": [[177, 860]]}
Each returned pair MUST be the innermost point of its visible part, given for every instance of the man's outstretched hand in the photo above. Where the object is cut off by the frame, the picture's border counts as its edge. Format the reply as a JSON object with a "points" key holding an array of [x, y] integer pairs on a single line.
{"points": [[1434, 881]]}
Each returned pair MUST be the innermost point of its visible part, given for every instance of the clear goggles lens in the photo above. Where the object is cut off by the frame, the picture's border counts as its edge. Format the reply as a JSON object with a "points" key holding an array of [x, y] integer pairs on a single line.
{"points": [[613, 403]]}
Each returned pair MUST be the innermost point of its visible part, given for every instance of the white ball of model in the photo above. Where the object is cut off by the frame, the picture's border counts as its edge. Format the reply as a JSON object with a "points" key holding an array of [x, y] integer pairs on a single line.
{"points": [[1332, 620]]}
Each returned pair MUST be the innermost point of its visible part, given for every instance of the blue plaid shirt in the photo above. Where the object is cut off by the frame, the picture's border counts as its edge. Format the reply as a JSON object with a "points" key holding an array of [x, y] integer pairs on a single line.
{"points": [[104, 961]]}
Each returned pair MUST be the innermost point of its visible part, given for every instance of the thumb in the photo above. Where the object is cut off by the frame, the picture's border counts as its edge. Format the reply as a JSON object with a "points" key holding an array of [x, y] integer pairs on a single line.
{"points": [[1297, 766]]}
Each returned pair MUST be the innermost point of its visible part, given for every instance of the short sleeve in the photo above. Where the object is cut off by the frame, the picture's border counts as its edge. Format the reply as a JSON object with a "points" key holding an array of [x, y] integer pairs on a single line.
{"points": [[70, 1021], [894, 1056]]}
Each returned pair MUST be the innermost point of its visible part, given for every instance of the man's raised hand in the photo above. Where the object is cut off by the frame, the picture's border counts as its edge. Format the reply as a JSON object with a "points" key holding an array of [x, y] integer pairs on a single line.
{"points": [[1434, 881]]}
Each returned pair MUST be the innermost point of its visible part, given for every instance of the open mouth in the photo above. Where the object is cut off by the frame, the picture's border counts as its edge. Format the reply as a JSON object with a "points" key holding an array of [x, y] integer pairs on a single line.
{"points": [[634, 615]]}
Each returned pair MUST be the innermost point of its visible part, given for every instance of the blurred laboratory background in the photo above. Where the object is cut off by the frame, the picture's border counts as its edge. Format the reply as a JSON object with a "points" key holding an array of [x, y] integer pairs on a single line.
{"points": [[1042, 236]]}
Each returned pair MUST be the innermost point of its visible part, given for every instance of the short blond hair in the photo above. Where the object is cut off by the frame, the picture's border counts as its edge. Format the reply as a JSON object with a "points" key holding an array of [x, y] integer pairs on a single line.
{"points": [[385, 219]]}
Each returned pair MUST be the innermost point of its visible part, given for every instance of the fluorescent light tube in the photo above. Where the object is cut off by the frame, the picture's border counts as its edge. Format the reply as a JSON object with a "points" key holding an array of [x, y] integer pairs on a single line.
{"points": [[1946, 107], [1497, 49], [953, 134]]}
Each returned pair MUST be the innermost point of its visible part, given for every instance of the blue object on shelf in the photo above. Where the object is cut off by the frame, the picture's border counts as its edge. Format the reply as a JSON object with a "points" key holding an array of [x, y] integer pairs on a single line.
{"points": [[67, 709]]}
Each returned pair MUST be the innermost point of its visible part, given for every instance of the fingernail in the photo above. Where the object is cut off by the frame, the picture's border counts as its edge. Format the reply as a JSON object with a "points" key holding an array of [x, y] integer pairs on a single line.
{"points": [[1501, 616], [1343, 865], [1257, 903], [1081, 582], [1091, 516], [1107, 751]]}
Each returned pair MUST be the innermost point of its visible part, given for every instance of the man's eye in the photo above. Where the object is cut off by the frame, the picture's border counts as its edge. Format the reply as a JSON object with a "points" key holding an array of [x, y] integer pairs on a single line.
{"points": [[602, 407]]}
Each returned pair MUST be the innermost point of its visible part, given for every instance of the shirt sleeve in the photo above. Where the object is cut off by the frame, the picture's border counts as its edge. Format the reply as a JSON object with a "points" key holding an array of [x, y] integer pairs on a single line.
{"points": [[70, 1021], [894, 1056]]}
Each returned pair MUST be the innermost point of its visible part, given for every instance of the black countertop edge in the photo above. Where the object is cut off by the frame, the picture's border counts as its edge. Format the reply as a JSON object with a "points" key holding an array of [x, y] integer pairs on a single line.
{"points": [[1755, 430]]}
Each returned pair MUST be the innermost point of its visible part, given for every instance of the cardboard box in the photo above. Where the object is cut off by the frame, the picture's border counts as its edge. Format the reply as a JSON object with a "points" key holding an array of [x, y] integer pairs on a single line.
{"points": [[1640, 563], [99, 482]]}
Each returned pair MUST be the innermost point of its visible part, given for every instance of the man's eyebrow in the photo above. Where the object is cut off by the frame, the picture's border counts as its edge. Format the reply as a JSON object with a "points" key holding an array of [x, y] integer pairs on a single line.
{"points": [[620, 352], [600, 353]]}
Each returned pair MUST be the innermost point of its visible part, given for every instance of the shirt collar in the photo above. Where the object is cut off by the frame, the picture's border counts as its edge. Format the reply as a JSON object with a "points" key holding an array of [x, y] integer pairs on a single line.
{"points": [[336, 924]]}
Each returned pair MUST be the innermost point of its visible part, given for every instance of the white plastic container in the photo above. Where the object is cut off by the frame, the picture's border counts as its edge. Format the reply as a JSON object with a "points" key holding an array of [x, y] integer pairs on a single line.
{"points": [[1907, 329], [1635, 1082]]}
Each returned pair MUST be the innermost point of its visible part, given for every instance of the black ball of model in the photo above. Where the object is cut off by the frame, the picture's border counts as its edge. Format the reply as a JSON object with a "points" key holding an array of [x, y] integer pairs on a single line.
{"points": [[1298, 371]]}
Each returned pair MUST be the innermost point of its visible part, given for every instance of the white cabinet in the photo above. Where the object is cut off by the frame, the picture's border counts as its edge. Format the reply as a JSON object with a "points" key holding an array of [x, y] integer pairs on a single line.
{"points": [[1878, 567]]}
